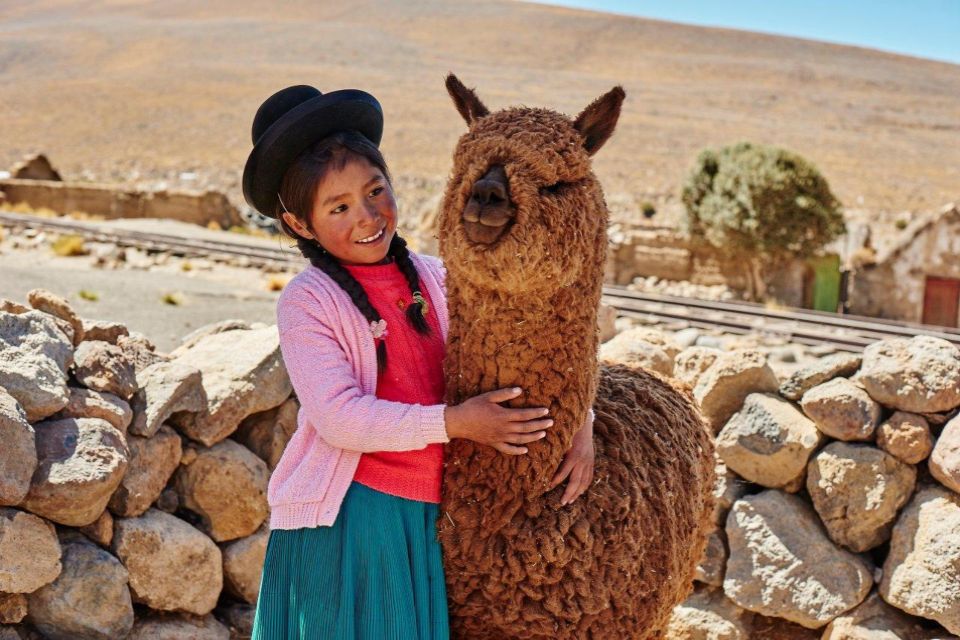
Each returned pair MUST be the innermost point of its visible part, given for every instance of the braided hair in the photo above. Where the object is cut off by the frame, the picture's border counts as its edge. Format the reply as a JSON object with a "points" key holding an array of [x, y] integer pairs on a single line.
{"points": [[298, 189]]}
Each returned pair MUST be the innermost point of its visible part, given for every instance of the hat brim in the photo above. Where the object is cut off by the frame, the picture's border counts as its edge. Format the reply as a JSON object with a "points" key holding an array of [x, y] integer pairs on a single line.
{"points": [[298, 129]]}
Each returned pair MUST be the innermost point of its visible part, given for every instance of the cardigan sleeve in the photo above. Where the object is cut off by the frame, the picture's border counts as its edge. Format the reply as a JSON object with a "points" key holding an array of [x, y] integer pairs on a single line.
{"points": [[335, 405]]}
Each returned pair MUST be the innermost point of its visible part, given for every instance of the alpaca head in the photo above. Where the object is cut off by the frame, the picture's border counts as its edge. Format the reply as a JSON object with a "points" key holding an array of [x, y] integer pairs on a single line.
{"points": [[523, 211]]}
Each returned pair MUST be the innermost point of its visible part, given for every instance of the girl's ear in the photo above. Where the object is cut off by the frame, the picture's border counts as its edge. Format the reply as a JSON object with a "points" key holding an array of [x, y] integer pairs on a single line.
{"points": [[296, 225], [597, 121], [465, 100]]}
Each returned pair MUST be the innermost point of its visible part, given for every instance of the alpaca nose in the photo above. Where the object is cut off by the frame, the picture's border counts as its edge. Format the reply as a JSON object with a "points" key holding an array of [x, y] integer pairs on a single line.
{"points": [[491, 189]]}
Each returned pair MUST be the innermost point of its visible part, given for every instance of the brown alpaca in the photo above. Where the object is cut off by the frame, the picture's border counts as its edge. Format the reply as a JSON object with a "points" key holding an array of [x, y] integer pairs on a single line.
{"points": [[523, 237]]}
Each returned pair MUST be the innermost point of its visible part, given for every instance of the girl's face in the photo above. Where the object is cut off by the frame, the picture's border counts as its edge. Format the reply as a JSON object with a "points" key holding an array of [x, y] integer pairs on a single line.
{"points": [[352, 205]]}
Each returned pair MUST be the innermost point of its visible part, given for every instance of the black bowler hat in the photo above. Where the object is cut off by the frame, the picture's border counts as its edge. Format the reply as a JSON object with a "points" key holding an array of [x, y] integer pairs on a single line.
{"points": [[292, 120]]}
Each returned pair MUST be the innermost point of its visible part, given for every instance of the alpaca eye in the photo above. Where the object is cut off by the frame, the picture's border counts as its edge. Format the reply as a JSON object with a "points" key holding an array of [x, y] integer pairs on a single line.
{"points": [[555, 188]]}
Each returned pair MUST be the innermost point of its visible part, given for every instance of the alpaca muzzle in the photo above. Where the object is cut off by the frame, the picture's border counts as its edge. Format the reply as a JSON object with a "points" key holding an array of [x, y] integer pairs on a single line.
{"points": [[489, 213]]}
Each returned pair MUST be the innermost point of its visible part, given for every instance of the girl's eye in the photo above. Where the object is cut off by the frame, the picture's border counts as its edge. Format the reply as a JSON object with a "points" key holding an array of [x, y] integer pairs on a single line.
{"points": [[340, 209], [376, 192]]}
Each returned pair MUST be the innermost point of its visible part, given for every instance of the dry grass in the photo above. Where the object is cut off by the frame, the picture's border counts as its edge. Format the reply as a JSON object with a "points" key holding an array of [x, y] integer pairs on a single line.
{"points": [[278, 282], [86, 294], [173, 298], [69, 245]]}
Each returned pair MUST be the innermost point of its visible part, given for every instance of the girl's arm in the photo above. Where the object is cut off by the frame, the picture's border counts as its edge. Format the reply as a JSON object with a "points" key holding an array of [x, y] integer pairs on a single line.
{"points": [[337, 407]]}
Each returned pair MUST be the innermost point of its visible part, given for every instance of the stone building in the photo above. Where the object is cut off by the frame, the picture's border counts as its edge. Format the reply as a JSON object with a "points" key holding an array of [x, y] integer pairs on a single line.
{"points": [[917, 278]]}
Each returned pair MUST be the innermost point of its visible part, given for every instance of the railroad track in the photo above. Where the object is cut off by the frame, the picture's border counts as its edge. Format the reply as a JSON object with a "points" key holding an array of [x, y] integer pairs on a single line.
{"points": [[845, 332]]}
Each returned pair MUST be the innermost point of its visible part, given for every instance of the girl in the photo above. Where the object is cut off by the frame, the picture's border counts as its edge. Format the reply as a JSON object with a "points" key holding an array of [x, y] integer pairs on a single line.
{"points": [[352, 551]]}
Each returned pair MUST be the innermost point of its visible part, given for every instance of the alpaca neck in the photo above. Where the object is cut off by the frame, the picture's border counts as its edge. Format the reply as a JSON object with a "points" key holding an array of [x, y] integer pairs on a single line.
{"points": [[546, 345]]}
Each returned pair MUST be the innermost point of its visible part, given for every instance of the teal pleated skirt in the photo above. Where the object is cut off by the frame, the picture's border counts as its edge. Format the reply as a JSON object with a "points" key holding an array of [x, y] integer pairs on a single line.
{"points": [[376, 574]]}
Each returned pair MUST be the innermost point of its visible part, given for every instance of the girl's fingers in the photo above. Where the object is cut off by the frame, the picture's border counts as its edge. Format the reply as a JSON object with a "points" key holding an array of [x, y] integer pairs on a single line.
{"points": [[562, 472], [510, 449], [574, 486], [502, 395], [524, 438], [527, 413], [531, 425]]}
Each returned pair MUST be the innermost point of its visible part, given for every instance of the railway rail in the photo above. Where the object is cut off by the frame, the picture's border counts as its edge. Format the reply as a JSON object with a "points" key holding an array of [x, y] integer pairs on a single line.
{"points": [[844, 332]]}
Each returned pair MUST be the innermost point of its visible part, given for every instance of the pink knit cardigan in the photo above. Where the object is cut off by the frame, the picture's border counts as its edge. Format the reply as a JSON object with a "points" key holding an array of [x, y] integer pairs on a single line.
{"points": [[330, 356]]}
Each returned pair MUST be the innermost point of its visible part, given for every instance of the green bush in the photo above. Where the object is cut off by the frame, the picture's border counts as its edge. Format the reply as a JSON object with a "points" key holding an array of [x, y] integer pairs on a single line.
{"points": [[760, 204]]}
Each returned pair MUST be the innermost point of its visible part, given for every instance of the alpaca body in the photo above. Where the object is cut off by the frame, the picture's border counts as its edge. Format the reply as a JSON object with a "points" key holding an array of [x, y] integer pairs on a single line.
{"points": [[523, 238]]}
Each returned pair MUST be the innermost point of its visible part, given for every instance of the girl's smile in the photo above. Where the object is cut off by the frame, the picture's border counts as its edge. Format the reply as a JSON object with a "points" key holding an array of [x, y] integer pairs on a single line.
{"points": [[354, 214]]}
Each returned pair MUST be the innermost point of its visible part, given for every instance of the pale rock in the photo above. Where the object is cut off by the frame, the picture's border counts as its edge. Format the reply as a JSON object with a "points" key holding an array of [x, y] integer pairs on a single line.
{"points": [[34, 358], [728, 488], [9, 306], [243, 565], [857, 490], [624, 349], [172, 566], [140, 351], [842, 410], [686, 338], [51, 303], [81, 462], [710, 569], [919, 374], [722, 388], [179, 627], [920, 574], [152, 462], [89, 600], [945, 459], [708, 615], [102, 366], [606, 322], [243, 374], [874, 619], [768, 442], [103, 330], [906, 436], [782, 564], [19, 458], [163, 389], [29, 552], [267, 433], [692, 362], [86, 403], [820, 371], [197, 335], [226, 485]]}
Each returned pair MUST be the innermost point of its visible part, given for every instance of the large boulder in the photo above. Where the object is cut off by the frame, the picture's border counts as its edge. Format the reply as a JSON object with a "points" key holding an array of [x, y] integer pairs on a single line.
{"points": [[29, 552], [945, 459], [51, 303], [152, 463], [707, 615], [857, 490], [34, 357], [165, 388], [627, 348], [768, 442], [89, 600], [173, 567], [102, 366], [874, 619], [723, 387], [919, 374], [86, 403], [906, 436], [691, 363], [920, 575], [842, 410], [19, 458], [243, 565], [243, 374], [226, 485], [81, 463], [782, 563], [818, 372], [179, 627], [103, 330], [267, 433]]}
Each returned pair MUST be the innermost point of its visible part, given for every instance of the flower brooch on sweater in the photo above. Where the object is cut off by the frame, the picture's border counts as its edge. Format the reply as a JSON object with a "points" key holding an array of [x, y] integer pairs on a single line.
{"points": [[378, 329]]}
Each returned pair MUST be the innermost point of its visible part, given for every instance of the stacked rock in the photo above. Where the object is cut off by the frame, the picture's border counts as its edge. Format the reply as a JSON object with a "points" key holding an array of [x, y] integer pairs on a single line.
{"points": [[133, 483], [838, 514]]}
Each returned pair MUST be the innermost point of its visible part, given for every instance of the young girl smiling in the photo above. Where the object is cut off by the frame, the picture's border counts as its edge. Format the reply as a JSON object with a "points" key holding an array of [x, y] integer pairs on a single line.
{"points": [[354, 499]]}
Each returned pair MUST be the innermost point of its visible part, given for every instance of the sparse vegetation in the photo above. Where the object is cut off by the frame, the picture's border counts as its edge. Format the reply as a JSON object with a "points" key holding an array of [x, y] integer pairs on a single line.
{"points": [[173, 298], [648, 209], [901, 224], [69, 245], [760, 205], [186, 266], [277, 282], [86, 294]]}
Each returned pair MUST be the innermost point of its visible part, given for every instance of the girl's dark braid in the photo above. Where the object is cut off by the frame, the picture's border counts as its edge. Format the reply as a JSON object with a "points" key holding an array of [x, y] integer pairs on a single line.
{"points": [[323, 260]]}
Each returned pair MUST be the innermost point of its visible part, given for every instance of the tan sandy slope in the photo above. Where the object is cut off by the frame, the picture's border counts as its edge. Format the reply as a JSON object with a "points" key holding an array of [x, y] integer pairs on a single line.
{"points": [[128, 90]]}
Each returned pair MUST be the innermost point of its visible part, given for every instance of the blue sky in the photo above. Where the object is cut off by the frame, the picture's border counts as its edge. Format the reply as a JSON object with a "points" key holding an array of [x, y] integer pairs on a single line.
{"points": [[922, 28]]}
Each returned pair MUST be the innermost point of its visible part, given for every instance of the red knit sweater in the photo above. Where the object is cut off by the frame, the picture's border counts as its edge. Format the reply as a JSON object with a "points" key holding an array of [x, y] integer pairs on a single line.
{"points": [[414, 375]]}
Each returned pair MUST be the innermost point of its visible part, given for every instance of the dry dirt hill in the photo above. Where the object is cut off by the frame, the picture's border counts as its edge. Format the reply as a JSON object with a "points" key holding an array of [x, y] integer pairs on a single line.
{"points": [[134, 91]]}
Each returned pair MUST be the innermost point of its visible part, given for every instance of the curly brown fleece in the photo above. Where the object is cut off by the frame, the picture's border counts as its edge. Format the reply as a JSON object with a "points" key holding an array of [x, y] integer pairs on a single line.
{"points": [[523, 310]]}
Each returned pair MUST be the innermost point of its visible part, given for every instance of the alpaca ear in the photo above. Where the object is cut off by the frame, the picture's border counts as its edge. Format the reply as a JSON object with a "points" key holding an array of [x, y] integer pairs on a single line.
{"points": [[596, 122], [465, 100]]}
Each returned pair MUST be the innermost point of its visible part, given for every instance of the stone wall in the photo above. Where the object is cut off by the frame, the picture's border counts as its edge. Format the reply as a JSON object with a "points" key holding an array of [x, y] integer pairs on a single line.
{"points": [[838, 510], [110, 202]]}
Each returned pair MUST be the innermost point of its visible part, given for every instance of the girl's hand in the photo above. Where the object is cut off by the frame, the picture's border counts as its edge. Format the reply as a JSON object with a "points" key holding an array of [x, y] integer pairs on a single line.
{"points": [[483, 420], [577, 464]]}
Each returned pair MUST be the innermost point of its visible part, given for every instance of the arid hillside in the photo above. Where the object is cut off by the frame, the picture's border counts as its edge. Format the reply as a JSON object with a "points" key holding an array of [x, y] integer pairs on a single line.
{"points": [[139, 91]]}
